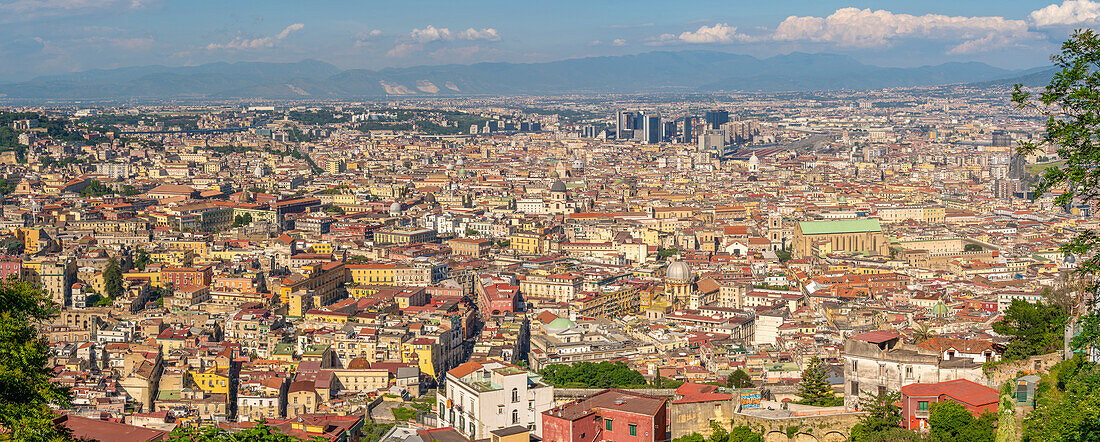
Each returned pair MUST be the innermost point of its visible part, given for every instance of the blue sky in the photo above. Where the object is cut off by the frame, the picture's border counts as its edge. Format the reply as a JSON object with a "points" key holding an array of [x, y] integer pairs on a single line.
{"points": [[41, 37]]}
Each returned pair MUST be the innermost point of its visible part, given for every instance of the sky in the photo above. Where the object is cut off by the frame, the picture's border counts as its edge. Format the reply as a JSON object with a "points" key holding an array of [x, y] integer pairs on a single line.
{"points": [[50, 37]]}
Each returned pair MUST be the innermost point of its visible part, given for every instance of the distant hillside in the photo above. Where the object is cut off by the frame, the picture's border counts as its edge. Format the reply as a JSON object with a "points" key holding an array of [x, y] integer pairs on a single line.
{"points": [[1037, 77], [661, 71]]}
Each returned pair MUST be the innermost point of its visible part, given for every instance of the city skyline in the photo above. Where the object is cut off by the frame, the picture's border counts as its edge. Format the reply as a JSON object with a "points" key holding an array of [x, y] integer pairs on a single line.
{"points": [[49, 38]]}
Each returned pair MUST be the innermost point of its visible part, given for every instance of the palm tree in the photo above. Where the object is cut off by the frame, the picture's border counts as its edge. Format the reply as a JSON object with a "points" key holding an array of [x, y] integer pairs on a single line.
{"points": [[922, 333]]}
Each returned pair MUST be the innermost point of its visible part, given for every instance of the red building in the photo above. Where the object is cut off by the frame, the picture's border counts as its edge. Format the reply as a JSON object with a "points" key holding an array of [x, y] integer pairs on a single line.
{"points": [[497, 298], [610, 415], [917, 400], [184, 276], [12, 267]]}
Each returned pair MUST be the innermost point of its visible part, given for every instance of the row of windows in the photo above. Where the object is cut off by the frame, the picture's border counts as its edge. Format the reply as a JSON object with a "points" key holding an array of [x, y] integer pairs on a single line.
{"points": [[609, 427]]}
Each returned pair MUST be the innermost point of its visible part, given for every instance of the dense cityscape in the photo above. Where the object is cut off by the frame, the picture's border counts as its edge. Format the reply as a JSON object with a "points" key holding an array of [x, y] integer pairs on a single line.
{"points": [[630, 247]]}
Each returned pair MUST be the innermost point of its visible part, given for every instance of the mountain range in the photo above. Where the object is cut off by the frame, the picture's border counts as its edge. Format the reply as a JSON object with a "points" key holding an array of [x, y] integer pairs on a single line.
{"points": [[650, 72]]}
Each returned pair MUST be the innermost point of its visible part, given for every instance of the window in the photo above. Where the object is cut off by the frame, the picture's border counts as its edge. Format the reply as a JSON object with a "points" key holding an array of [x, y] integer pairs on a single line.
{"points": [[908, 372], [515, 395], [515, 416], [500, 409], [633, 429], [607, 424], [922, 406]]}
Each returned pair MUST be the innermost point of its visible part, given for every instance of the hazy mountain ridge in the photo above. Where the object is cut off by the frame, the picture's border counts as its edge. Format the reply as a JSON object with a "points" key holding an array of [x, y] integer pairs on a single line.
{"points": [[661, 71]]}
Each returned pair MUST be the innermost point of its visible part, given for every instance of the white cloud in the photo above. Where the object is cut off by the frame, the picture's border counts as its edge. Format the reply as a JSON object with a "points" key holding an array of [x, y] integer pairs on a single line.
{"points": [[287, 30], [363, 39], [402, 50], [854, 27], [1069, 13], [431, 33], [241, 43], [719, 33], [488, 34], [618, 42]]}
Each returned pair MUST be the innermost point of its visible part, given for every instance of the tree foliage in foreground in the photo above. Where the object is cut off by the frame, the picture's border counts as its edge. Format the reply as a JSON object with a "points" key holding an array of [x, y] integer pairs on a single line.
{"points": [[1067, 406], [1071, 103], [815, 389], [1034, 329], [592, 375], [882, 416], [260, 432], [26, 394]]}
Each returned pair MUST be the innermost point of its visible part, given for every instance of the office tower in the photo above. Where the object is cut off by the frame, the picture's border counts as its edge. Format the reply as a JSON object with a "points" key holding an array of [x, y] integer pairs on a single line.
{"points": [[624, 125], [686, 130], [716, 118], [1001, 138], [1017, 166], [712, 140], [651, 128], [668, 131]]}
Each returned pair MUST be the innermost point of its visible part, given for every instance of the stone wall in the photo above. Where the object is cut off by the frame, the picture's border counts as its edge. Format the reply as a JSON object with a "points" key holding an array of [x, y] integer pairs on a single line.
{"points": [[1004, 372], [819, 428]]}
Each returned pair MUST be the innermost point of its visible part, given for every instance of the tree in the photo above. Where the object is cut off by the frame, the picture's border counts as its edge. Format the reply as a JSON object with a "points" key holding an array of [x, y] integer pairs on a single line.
{"points": [[972, 248], [592, 375], [814, 388], [142, 259], [26, 393], [1067, 406], [260, 432], [739, 379], [882, 415], [1071, 103], [1034, 328], [950, 421], [922, 333], [112, 279], [242, 220]]}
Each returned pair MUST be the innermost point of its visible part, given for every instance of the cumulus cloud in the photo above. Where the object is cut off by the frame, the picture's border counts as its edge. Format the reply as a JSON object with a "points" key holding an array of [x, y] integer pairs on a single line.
{"points": [[865, 28], [618, 42], [1069, 13], [402, 50], [488, 34], [241, 43], [719, 33], [431, 33], [363, 39]]}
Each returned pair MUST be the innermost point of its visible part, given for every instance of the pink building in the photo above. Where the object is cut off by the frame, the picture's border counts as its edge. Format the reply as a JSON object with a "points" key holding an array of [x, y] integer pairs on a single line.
{"points": [[917, 400]]}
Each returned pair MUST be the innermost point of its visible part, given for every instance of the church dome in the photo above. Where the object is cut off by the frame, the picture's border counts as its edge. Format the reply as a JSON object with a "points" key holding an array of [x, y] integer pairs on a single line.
{"points": [[395, 208], [679, 271], [557, 186], [561, 324]]}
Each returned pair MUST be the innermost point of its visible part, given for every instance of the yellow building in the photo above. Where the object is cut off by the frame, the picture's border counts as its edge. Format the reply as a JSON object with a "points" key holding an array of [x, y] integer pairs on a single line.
{"points": [[200, 248], [214, 380], [528, 243], [424, 351]]}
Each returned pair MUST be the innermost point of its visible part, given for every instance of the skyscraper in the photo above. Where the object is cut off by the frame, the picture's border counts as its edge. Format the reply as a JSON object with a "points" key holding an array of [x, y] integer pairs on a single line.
{"points": [[1001, 138], [687, 128], [716, 118], [624, 125], [651, 128]]}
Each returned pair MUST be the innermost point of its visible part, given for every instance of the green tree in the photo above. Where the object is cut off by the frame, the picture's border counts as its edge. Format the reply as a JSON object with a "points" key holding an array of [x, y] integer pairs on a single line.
{"points": [[972, 248], [882, 415], [260, 432], [26, 393], [743, 433], [739, 379], [1034, 329], [112, 279], [1071, 103], [592, 375], [950, 421], [242, 220], [1067, 406], [1007, 429], [142, 259], [814, 388]]}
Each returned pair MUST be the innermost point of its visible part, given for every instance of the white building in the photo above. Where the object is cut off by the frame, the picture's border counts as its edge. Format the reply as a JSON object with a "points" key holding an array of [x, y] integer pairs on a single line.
{"points": [[484, 396]]}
